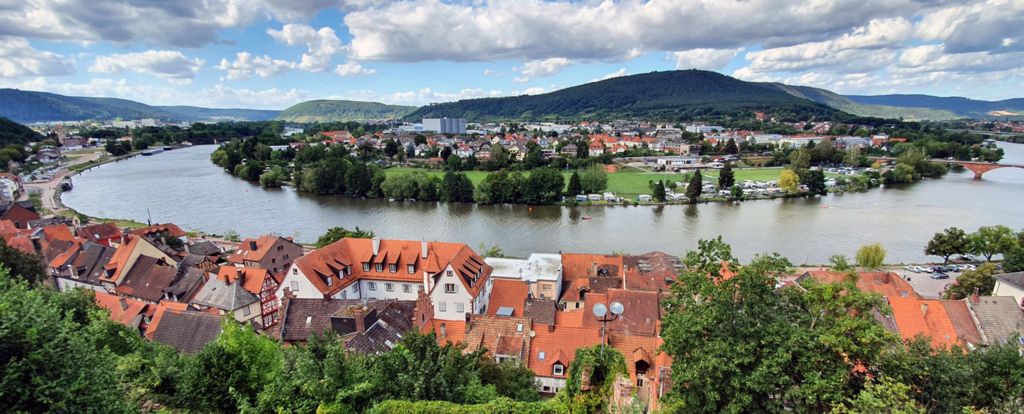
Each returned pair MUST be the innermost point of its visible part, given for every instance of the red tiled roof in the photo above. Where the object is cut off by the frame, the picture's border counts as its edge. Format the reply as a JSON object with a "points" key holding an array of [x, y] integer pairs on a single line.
{"points": [[264, 244], [963, 322], [926, 317], [454, 331], [119, 261], [19, 215], [99, 232], [577, 265], [58, 232], [885, 283], [571, 318], [558, 345], [158, 314], [640, 317], [327, 261], [510, 294], [252, 277], [170, 228], [123, 315]]}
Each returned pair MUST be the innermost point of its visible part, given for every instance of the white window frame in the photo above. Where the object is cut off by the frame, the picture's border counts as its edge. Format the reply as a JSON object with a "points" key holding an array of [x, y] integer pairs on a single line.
{"points": [[371, 285], [460, 307], [558, 370], [393, 268], [366, 266], [406, 288], [411, 269], [442, 306], [295, 286], [390, 287], [379, 267]]}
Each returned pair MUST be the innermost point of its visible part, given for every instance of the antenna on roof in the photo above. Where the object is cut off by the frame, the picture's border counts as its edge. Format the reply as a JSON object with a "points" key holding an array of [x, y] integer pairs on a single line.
{"points": [[149, 217]]}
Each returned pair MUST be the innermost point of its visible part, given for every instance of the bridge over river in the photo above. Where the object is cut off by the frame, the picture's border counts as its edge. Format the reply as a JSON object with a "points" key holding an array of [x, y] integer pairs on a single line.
{"points": [[979, 168]]}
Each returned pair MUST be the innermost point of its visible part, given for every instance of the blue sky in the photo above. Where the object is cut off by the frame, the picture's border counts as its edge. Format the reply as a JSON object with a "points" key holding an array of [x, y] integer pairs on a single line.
{"points": [[274, 53]]}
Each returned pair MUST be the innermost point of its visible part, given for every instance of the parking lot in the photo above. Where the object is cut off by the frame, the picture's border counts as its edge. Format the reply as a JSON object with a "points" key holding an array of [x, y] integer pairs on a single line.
{"points": [[924, 285]]}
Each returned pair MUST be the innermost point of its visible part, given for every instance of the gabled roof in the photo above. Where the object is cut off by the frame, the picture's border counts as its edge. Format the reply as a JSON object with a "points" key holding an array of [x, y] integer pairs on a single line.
{"points": [[252, 277], [170, 228], [147, 279], [642, 311], [186, 283], [221, 294], [1015, 279], [887, 284], [925, 317], [393, 322], [188, 332], [499, 335], [963, 322], [579, 265], [306, 317], [122, 310], [558, 344], [101, 231], [447, 331], [328, 261], [90, 261], [58, 232], [651, 271], [541, 311], [263, 245], [204, 248], [999, 317]]}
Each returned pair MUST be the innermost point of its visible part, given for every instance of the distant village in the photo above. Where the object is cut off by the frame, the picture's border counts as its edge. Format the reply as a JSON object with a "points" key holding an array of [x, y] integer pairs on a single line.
{"points": [[176, 288]]}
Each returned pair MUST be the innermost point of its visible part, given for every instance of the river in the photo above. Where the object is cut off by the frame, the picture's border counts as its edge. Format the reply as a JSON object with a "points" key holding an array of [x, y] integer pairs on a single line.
{"points": [[184, 187]]}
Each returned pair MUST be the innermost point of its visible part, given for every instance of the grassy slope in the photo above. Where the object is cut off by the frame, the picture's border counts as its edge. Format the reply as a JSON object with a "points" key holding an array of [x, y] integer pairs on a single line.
{"points": [[338, 110]]}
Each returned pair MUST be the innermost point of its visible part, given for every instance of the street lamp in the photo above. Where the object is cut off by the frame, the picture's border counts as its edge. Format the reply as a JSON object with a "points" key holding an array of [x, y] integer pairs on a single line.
{"points": [[602, 314]]}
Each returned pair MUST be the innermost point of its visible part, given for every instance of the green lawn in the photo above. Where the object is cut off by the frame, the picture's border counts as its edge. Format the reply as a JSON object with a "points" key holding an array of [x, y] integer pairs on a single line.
{"points": [[629, 182]]}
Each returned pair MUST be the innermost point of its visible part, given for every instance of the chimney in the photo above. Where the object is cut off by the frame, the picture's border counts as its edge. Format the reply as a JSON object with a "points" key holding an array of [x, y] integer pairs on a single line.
{"points": [[975, 297], [423, 249], [365, 318], [924, 309], [123, 302], [593, 269], [252, 245], [376, 245]]}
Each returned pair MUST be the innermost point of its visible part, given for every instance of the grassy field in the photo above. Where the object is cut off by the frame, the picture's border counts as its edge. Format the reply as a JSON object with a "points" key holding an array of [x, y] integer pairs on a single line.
{"points": [[627, 182]]}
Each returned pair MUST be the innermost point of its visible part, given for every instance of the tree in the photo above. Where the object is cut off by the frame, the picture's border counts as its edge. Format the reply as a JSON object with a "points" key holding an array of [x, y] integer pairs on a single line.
{"points": [[499, 158], [736, 193], [723, 331], [334, 234], [20, 265], [493, 250], [854, 157], [789, 181], [453, 163], [840, 263], [989, 241], [815, 182], [230, 372], [659, 191], [456, 187], [575, 186], [534, 157], [593, 179], [980, 279], [543, 186], [871, 256], [696, 186], [800, 159], [730, 147], [947, 243], [881, 395], [726, 177]]}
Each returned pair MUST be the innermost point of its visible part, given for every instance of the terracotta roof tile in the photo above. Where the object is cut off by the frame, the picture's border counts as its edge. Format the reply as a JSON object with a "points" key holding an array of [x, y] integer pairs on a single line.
{"points": [[252, 277], [509, 294], [887, 284], [923, 317], [963, 322], [121, 312], [578, 265], [99, 232], [558, 344], [170, 228]]}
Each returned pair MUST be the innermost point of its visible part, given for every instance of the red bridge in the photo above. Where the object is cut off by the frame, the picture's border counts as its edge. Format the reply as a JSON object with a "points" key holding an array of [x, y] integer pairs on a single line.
{"points": [[977, 167]]}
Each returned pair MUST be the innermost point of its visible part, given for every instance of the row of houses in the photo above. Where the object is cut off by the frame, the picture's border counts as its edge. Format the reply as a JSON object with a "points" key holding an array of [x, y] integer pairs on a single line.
{"points": [[371, 292]]}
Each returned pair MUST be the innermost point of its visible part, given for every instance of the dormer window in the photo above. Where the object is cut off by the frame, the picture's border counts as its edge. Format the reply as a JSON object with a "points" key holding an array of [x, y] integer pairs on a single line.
{"points": [[348, 270], [411, 268], [379, 267], [330, 281], [558, 370], [366, 267], [393, 268]]}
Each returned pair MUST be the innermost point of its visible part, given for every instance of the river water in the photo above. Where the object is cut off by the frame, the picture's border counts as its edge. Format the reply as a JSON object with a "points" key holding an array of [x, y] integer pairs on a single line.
{"points": [[183, 187]]}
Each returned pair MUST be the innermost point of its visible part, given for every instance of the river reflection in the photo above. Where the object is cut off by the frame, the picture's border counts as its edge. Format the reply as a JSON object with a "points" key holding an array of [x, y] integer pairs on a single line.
{"points": [[183, 187]]}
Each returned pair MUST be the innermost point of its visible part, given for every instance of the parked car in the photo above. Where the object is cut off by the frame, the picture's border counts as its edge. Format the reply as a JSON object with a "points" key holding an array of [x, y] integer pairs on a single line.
{"points": [[910, 268], [937, 269], [939, 275], [970, 267]]}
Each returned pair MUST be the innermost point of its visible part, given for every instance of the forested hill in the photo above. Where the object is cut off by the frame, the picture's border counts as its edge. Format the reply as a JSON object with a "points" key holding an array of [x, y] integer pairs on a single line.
{"points": [[342, 111], [963, 107], [14, 133], [670, 96], [30, 106]]}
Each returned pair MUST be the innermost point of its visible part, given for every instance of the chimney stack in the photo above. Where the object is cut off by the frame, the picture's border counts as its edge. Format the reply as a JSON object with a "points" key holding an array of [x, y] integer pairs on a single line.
{"points": [[924, 309], [423, 249], [123, 302], [376, 245], [975, 297]]}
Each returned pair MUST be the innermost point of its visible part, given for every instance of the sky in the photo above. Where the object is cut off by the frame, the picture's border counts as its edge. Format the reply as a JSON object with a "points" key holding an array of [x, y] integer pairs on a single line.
{"points": [[271, 54]]}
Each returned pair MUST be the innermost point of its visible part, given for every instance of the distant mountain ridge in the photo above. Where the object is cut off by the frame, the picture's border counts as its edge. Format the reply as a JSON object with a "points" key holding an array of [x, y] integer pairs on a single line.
{"points": [[30, 106], [323, 110], [963, 107], [668, 95]]}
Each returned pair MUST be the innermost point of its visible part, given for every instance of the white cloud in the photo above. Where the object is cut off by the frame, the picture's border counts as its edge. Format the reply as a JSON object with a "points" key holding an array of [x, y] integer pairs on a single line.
{"points": [[536, 29], [993, 25], [245, 65], [171, 65], [618, 73], [18, 58], [322, 44], [544, 67], [491, 72], [704, 58], [353, 69]]}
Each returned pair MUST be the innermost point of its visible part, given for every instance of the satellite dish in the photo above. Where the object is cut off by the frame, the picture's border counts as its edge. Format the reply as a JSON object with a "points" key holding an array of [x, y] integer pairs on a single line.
{"points": [[617, 308], [600, 310]]}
